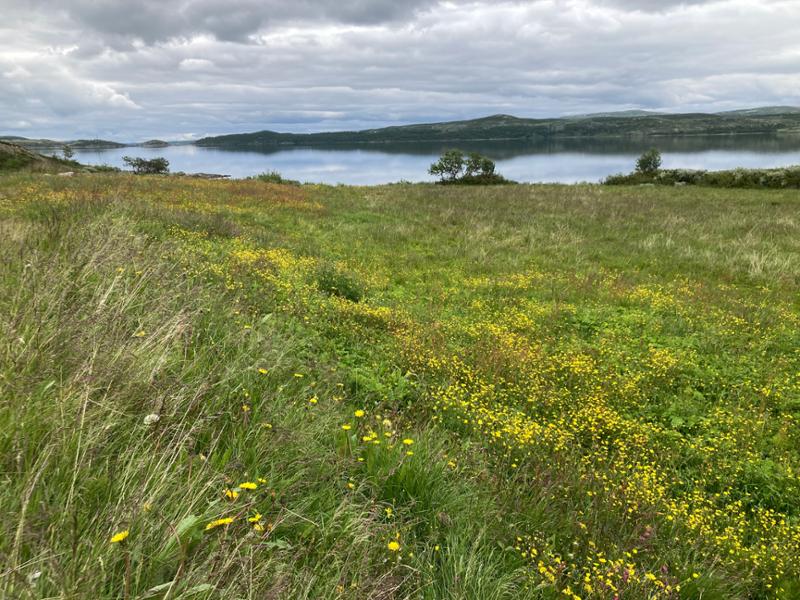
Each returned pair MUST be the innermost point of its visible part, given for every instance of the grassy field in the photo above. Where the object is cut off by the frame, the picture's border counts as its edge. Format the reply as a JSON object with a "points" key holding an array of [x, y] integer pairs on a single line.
{"points": [[248, 390]]}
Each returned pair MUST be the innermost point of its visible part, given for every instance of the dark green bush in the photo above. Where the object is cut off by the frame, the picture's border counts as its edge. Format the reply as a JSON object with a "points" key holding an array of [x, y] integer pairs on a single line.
{"points": [[781, 178], [649, 162], [142, 166], [336, 282], [12, 162], [103, 169], [274, 177], [481, 179], [454, 168]]}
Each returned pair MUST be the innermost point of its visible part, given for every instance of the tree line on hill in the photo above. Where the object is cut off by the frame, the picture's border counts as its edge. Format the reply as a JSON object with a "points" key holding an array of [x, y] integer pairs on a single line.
{"points": [[507, 127]]}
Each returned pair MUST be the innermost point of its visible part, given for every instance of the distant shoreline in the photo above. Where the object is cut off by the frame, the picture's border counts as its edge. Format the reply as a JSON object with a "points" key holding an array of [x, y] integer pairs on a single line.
{"points": [[778, 121], [532, 141]]}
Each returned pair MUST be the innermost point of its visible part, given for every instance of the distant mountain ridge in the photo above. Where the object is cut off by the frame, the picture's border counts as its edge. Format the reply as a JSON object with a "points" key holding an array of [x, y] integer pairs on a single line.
{"points": [[763, 111], [628, 124], [617, 114], [76, 144]]}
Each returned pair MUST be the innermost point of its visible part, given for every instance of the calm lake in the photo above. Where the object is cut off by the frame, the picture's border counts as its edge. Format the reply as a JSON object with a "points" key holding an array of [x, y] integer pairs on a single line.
{"points": [[565, 161]]}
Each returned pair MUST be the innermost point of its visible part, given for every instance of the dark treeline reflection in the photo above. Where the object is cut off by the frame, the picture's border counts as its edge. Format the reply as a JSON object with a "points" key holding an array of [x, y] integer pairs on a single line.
{"points": [[507, 149]]}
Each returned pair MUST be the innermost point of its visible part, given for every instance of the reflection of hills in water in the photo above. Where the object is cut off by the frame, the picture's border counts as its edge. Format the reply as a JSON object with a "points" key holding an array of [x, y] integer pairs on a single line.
{"points": [[503, 150]]}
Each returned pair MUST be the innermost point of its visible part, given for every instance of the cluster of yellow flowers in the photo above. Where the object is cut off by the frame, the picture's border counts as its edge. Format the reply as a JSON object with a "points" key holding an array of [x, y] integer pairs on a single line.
{"points": [[597, 395]]}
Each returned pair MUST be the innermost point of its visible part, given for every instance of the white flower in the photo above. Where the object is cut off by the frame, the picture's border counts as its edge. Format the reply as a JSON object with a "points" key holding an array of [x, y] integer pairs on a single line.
{"points": [[152, 419]]}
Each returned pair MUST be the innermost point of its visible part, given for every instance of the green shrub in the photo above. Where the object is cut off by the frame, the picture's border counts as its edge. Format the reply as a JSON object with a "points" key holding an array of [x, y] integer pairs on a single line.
{"points": [[449, 166], [454, 168], [142, 166], [336, 282], [103, 169], [274, 177], [12, 162], [483, 179], [781, 178], [649, 162]]}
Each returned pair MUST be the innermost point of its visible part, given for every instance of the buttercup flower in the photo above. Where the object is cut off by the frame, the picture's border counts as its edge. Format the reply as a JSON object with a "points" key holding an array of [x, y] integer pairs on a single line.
{"points": [[219, 522], [120, 537]]}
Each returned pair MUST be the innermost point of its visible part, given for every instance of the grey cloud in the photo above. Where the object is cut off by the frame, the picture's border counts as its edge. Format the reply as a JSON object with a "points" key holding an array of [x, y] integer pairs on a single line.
{"points": [[158, 20], [92, 68], [653, 5]]}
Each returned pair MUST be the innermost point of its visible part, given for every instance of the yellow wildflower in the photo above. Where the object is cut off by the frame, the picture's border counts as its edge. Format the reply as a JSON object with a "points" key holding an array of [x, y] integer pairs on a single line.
{"points": [[359, 413], [248, 485], [120, 537], [255, 518], [231, 494], [408, 441], [218, 522], [347, 426], [393, 546]]}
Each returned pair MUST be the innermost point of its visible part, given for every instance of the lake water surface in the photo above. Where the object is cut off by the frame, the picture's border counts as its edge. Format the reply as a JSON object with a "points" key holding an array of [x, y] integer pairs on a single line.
{"points": [[566, 161]]}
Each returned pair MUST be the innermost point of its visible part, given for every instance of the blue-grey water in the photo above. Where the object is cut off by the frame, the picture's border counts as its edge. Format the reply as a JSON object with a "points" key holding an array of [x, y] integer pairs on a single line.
{"points": [[564, 162]]}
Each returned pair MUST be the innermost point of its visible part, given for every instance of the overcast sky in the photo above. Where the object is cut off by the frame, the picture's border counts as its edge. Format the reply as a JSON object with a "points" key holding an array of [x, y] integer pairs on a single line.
{"points": [[137, 69]]}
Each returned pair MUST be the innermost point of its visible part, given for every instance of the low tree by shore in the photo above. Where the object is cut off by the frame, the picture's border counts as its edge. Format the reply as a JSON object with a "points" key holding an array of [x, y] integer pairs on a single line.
{"points": [[649, 162], [453, 167], [142, 166]]}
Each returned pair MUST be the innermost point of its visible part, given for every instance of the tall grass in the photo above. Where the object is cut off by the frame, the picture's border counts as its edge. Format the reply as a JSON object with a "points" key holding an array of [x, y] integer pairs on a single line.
{"points": [[135, 394], [561, 386]]}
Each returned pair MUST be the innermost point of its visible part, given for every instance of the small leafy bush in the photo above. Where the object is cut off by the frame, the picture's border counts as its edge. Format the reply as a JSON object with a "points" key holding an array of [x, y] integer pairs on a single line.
{"points": [[103, 169], [336, 282], [649, 162], [455, 168], [12, 162], [781, 178], [142, 166], [274, 177]]}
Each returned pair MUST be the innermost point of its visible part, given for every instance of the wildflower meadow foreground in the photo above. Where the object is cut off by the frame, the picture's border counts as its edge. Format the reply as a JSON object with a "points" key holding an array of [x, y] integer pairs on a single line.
{"points": [[248, 390]]}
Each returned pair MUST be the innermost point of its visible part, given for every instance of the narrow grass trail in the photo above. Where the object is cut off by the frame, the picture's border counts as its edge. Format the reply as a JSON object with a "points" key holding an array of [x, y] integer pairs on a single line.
{"points": [[216, 389]]}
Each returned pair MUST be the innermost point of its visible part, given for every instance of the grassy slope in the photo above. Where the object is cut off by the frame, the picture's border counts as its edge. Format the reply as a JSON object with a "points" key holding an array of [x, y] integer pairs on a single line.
{"points": [[601, 386], [16, 158], [50, 145]]}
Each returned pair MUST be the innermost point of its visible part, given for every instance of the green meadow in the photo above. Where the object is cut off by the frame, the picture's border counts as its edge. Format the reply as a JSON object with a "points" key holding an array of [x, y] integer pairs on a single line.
{"points": [[239, 389]]}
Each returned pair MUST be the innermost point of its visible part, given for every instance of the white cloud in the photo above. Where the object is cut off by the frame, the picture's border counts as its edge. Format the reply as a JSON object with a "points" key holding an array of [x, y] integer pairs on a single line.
{"points": [[195, 64]]}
